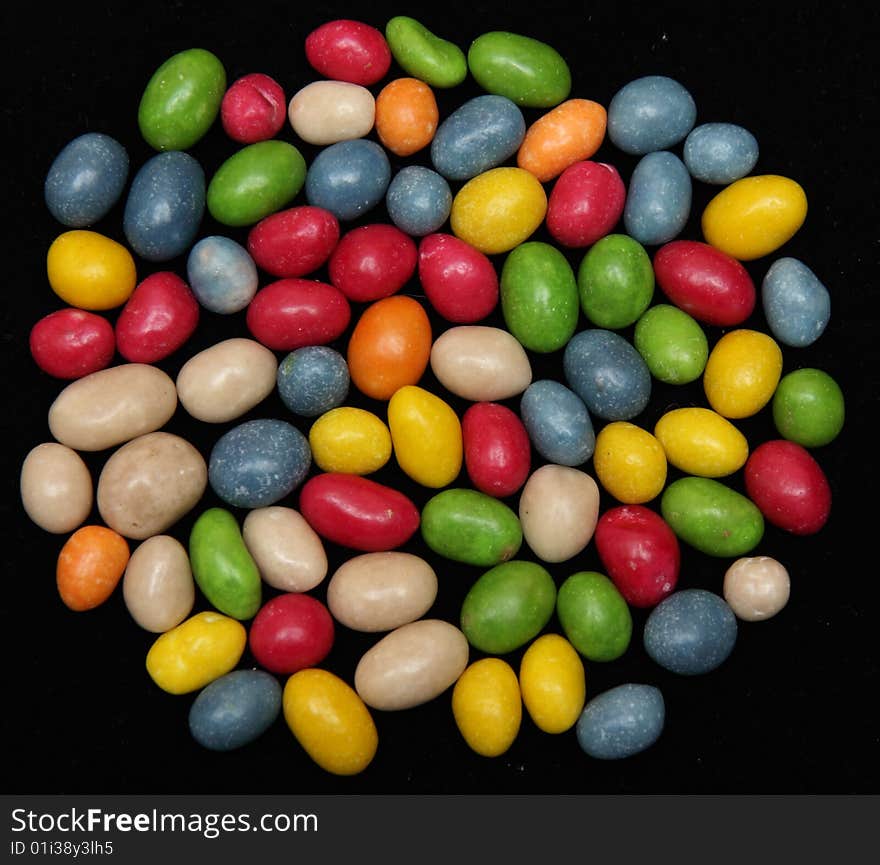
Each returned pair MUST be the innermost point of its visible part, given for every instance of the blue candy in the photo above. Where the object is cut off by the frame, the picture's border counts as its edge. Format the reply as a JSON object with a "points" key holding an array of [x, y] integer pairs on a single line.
{"points": [[720, 153], [658, 202], [418, 200], [221, 274], [796, 304], [621, 722], [313, 379], [348, 178], [558, 423]]}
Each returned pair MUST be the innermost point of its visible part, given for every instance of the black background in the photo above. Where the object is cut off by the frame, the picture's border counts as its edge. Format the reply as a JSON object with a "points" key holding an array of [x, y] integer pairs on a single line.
{"points": [[793, 708]]}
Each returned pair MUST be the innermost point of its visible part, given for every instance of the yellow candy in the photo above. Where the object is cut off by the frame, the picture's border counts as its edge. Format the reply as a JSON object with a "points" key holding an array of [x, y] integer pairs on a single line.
{"points": [[90, 271], [497, 210], [203, 648], [701, 442], [426, 436], [754, 216], [487, 706], [629, 462], [350, 440], [330, 721], [742, 373], [552, 681]]}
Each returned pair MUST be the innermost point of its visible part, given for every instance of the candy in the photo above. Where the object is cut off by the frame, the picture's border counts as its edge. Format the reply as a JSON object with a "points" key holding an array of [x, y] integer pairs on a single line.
{"points": [[86, 179], [258, 463], [89, 270], [222, 567], [256, 181], [692, 632], [424, 55], [629, 462], [701, 442], [649, 114], [742, 373], [72, 343], [293, 242], [222, 274], [325, 112], [406, 116], [412, 665], [150, 483], [56, 488], [552, 681], [594, 616], [182, 99], [165, 206], [351, 440], [90, 565], [226, 380], [720, 153], [497, 451], [585, 204], [487, 707], [756, 588], [808, 407], [291, 632], [347, 50], [528, 71], [372, 261], [312, 380], [252, 109], [508, 606], [558, 423], [621, 722], [658, 201], [672, 344], [418, 200], [796, 304]]}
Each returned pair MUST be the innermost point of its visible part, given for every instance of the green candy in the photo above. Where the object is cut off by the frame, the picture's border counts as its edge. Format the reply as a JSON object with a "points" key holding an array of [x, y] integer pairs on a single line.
{"points": [[615, 281], [182, 100], [508, 606], [423, 55], [594, 616], [712, 517], [808, 407], [257, 180], [529, 72], [539, 296], [672, 344], [222, 566], [469, 526]]}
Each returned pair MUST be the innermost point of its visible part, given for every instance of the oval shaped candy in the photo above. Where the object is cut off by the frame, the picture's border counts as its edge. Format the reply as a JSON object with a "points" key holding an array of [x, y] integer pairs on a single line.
{"points": [[629, 462], [222, 274], [720, 153], [558, 423], [424, 55], [650, 113], [372, 261], [324, 112], [347, 50], [742, 373], [71, 343], [290, 632], [418, 200], [585, 204], [293, 242], [252, 109], [658, 201], [497, 451], [796, 304], [594, 616], [672, 343], [56, 488], [487, 706], [621, 722], [89, 567], [552, 681], [406, 116], [808, 407], [313, 379], [756, 587], [700, 442], [351, 440]]}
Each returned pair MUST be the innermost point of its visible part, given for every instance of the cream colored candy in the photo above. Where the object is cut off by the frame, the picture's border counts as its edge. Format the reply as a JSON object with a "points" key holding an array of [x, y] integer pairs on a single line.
{"points": [[149, 484], [112, 406], [413, 664], [325, 112], [381, 591], [288, 552], [756, 588], [158, 585], [226, 380], [56, 488]]}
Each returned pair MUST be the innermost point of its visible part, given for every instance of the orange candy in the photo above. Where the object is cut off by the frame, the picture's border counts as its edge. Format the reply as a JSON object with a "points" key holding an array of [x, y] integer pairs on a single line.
{"points": [[390, 346], [571, 132], [406, 115], [90, 565]]}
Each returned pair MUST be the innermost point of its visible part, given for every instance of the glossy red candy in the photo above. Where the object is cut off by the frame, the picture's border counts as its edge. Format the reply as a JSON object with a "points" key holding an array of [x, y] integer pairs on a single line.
{"points": [[291, 632], [294, 242], [71, 343], [292, 313], [705, 282], [347, 50], [789, 487], [585, 204], [460, 282], [357, 512], [497, 449], [253, 109], [373, 261], [159, 317], [639, 552]]}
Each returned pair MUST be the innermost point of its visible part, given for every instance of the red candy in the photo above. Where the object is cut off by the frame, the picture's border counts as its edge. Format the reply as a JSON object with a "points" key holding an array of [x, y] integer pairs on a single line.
{"points": [[253, 109], [789, 487], [294, 242], [347, 50], [372, 262], [357, 512], [291, 313], [460, 282], [497, 449], [159, 317], [291, 632], [71, 343], [585, 204], [640, 553], [706, 283]]}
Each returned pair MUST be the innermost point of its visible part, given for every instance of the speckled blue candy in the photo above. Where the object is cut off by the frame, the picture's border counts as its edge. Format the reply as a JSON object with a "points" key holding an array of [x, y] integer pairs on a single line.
{"points": [[258, 463], [720, 153], [796, 304], [418, 200], [165, 206], [607, 373], [235, 709], [221, 274], [621, 722], [658, 202], [313, 379], [558, 423], [691, 632], [348, 178], [479, 135], [650, 113], [86, 179]]}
